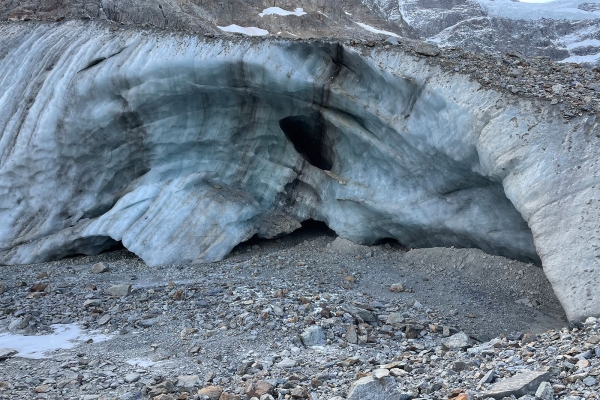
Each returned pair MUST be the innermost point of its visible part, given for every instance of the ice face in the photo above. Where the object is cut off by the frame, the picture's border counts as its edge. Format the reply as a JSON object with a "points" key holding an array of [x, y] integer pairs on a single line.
{"points": [[182, 148]]}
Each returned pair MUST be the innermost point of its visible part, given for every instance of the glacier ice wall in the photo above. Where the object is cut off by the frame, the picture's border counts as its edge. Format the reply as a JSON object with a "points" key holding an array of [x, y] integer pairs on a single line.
{"points": [[181, 148]]}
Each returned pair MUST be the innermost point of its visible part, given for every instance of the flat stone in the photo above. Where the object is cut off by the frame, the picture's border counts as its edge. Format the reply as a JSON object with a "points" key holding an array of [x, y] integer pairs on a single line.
{"points": [[99, 268], [381, 373], [132, 377], [120, 290], [286, 363], [104, 320], [523, 383], [360, 314], [92, 303]]}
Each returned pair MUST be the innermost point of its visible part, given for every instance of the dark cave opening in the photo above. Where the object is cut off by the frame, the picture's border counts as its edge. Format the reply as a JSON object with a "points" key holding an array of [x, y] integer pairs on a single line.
{"points": [[309, 136], [310, 229], [394, 243]]}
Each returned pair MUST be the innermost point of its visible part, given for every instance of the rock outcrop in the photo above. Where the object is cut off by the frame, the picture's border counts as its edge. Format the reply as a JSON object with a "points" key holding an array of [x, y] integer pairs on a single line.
{"points": [[182, 147]]}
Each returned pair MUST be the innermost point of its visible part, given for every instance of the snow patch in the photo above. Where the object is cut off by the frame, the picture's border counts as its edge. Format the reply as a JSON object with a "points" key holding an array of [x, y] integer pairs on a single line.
{"points": [[375, 30], [140, 362], [590, 58], [535, 1], [280, 11], [584, 43], [65, 336], [250, 31]]}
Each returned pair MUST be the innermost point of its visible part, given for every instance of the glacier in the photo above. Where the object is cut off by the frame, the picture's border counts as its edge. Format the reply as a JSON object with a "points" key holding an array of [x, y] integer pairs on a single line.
{"points": [[180, 147]]}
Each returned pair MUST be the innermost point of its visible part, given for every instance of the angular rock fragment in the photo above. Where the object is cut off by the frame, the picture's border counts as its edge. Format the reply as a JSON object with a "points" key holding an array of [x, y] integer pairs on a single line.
{"points": [[99, 268], [545, 391], [370, 388], [7, 353], [457, 341], [521, 384], [120, 290], [313, 336]]}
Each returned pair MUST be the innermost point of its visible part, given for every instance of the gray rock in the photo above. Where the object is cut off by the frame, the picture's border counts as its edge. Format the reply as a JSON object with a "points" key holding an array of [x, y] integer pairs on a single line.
{"points": [[459, 366], [360, 314], [523, 383], [104, 319], [187, 381], [590, 381], [351, 334], [457, 341], [313, 336], [487, 378], [7, 353], [545, 391], [120, 290], [370, 388], [99, 268], [395, 319], [286, 363], [427, 49], [19, 323], [132, 377], [92, 303]]}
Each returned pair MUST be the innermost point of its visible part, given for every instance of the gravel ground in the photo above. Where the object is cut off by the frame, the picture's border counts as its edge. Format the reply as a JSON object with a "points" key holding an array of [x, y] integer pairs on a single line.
{"points": [[301, 317]]}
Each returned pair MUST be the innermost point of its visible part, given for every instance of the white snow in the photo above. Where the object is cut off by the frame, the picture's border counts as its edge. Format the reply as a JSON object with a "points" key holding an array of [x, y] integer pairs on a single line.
{"points": [[535, 9], [583, 43], [65, 336], [375, 30], [140, 362], [250, 31], [591, 58], [280, 11], [535, 1]]}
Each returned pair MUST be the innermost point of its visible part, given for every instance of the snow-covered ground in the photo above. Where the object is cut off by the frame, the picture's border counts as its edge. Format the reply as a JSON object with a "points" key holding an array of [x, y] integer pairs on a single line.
{"points": [[375, 30], [65, 336], [280, 11], [250, 31], [535, 9]]}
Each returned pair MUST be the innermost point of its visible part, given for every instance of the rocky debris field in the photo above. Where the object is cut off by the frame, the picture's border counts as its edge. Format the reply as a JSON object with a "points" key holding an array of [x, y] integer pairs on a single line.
{"points": [[573, 88], [306, 317]]}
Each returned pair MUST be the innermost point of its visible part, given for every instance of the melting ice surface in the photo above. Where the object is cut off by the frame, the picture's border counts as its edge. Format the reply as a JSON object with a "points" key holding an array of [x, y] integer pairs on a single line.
{"points": [[375, 30], [280, 11], [65, 336], [250, 31], [534, 9]]}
